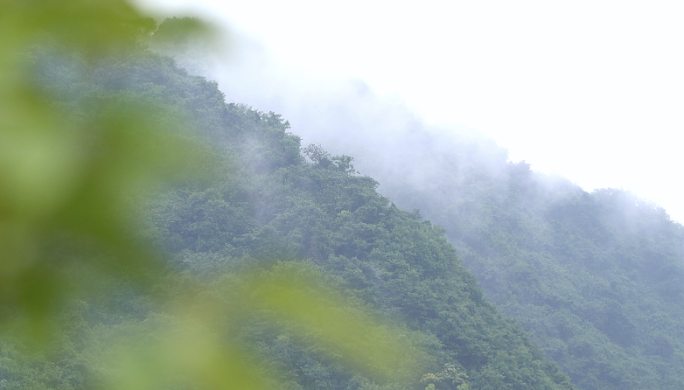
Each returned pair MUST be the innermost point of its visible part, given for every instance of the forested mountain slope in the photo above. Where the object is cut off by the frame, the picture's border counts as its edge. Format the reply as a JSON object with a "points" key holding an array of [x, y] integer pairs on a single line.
{"points": [[597, 278], [268, 204]]}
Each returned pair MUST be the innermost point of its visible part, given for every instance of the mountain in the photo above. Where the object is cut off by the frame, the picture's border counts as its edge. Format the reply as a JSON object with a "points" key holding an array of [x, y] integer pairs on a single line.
{"points": [[594, 277]]}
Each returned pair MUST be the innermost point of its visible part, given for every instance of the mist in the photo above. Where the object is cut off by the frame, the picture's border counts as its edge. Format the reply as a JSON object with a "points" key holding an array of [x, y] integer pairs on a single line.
{"points": [[583, 90], [347, 116]]}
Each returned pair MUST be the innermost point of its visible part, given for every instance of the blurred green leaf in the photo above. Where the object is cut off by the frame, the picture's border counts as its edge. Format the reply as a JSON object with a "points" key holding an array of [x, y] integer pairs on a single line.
{"points": [[73, 177], [69, 181]]}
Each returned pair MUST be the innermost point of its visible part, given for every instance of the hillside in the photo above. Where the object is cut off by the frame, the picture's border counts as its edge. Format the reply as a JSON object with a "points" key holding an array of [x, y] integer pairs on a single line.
{"points": [[597, 279], [594, 277]]}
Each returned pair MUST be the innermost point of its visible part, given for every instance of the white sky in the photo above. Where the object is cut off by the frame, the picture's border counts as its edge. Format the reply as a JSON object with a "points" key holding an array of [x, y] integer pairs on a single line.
{"points": [[591, 90]]}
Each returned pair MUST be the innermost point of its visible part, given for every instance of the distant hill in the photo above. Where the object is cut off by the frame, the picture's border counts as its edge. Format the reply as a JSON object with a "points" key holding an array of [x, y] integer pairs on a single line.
{"points": [[596, 278]]}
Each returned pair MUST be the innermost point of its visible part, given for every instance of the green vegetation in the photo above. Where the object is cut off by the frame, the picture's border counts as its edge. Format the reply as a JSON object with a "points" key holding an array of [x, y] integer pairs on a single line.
{"points": [[154, 236], [597, 279], [236, 292]]}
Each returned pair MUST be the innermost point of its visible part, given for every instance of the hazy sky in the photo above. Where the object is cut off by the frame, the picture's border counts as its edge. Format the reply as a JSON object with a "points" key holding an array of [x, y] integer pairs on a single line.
{"points": [[591, 90]]}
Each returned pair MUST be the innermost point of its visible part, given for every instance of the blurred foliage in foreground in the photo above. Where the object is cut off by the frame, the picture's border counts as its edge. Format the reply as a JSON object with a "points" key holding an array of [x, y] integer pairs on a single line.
{"points": [[78, 164], [67, 175]]}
